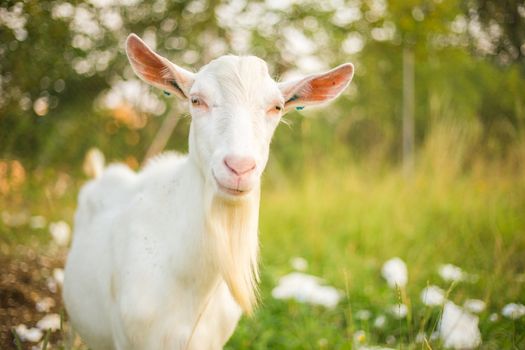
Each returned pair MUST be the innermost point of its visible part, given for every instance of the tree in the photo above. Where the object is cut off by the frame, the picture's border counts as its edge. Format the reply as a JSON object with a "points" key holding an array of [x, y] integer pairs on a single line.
{"points": [[498, 29]]}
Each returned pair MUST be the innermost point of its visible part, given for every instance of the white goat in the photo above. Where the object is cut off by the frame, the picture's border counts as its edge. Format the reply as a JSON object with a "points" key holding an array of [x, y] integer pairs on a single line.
{"points": [[167, 258]]}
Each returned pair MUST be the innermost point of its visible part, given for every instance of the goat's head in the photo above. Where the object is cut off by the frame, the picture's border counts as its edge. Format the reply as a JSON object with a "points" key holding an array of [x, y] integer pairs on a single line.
{"points": [[235, 107]]}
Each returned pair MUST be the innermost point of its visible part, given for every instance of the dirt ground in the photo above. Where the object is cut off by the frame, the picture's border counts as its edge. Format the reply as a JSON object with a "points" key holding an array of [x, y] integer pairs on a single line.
{"points": [[26, 278]]}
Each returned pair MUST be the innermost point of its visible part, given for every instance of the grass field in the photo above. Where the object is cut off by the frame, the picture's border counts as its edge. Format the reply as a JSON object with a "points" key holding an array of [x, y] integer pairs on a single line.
{"points": [[346, 224], [346, 221]]}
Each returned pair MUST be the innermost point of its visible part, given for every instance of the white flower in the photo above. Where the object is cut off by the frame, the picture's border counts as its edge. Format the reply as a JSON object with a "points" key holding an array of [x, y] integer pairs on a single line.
{"points": [[493, 317], [380, 321], [299, 264], [51, 285], [307, 289], [475, 306], [395, 273], [359, 337], [390, 339], [451, 273], [458, 329], [363, 315], [513, 311], [51, 322], [37, 222], [420, 337], [399, 311], [58, 276], [28, 334], [45, 304], [14, 219], [60, 232], [433, 296]]}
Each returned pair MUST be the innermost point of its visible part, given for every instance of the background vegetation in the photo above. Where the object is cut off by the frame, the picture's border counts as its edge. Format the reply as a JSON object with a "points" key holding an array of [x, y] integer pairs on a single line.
{"points": [[347, 186]]}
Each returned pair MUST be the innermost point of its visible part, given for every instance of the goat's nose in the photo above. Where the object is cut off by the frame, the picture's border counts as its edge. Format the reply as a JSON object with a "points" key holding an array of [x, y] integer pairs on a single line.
{"points": [[240, 165]]}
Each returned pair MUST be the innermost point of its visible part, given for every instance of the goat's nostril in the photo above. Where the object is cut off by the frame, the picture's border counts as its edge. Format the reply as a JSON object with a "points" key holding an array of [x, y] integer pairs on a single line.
{"points": [[239, 165]]}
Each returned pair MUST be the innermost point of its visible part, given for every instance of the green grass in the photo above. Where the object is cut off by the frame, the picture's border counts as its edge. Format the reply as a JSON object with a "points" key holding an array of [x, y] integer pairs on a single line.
{"points": [[346, 220]]}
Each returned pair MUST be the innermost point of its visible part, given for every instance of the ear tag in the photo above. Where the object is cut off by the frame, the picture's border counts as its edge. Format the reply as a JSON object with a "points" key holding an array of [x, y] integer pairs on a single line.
{"points": [[166, 93], [299, 108]]}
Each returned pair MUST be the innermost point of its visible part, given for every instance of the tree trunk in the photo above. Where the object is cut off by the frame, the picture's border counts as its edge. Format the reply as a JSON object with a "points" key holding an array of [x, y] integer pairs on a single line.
{"points": [[163, 134], [408, 111]]}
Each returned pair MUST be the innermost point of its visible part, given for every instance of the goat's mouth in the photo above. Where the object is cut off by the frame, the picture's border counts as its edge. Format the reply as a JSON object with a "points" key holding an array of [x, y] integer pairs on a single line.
{"points": [[229, 190]]}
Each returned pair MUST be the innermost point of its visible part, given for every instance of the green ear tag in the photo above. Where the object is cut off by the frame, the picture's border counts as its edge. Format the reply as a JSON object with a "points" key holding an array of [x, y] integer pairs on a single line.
{"points": [[166, 93], [299, 108]]}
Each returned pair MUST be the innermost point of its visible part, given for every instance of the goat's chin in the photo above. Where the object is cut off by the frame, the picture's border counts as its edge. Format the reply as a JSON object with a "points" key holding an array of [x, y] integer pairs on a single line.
{"points": [[233, 194]]}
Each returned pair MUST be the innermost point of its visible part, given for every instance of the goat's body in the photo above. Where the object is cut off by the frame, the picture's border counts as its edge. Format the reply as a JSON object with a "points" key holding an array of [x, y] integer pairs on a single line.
{"points": [[141, 273], [167, 258]]}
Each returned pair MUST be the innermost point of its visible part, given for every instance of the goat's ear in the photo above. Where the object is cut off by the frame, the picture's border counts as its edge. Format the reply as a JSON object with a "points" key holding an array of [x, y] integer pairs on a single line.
{"points": [[317, 88], [157, 70]]}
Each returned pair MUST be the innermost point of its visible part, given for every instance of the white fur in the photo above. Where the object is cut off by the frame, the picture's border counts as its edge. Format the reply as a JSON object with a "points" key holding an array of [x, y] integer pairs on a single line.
{"points": [[166, 258]]}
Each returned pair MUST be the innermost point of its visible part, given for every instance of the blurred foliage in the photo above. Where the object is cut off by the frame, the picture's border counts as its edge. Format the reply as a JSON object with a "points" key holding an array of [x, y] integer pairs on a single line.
{"points": [[66, 86], [503, 24]]}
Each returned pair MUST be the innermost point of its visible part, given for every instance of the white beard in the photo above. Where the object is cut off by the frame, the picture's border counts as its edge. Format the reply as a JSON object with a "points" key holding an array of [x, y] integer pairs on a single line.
{"points": [[232, 227]]}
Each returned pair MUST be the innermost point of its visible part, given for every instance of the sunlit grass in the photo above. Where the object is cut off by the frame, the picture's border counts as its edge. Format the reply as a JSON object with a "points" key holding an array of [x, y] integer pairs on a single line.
{"points": [[346, 221]]}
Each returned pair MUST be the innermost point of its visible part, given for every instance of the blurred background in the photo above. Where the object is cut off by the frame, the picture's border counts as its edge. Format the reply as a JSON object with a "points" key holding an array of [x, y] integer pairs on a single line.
{"points": [[423, 157]]}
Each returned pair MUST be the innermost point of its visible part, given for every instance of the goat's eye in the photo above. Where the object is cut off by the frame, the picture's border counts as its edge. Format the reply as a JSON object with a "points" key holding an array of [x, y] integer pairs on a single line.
{"points": [[275, 109], [195, 101]]}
